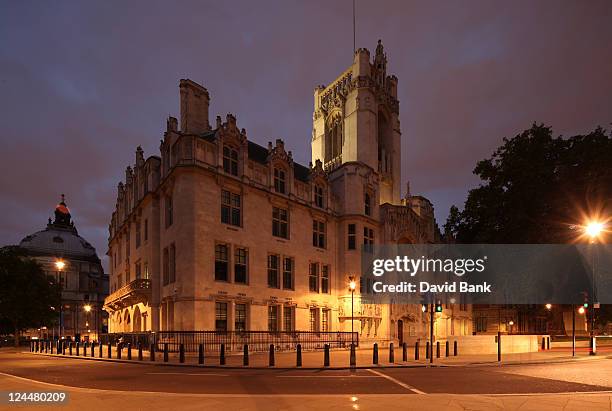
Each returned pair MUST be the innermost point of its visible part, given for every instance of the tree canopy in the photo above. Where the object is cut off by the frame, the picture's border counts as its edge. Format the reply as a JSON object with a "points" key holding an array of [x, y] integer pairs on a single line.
{"points": [[28, 297], [537, 188]]}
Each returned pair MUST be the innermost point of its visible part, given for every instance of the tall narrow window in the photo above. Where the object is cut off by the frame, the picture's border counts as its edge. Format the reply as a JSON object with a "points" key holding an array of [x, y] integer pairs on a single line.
{"points": [[273, 318], [352, 236], [146, 271], [273, 270], [230, 160], [325, 279], [138, 270], [169, 211], [166, 267], [288, 318], [230, 208], [313, 278], [241, 259], [318, 233], [279, 181], [325, 319], [367, 204], [172, 263], [127, 274], [240, 323], [220, 317], [319, 198], [314, 320], [221, 263], [288, 273], [368, 238], [146, 229], [280, 222], [137, 234]]}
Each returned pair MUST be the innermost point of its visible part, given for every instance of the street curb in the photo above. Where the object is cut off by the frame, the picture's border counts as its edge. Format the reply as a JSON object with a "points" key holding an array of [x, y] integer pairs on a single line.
{"points": [[233, 367]]}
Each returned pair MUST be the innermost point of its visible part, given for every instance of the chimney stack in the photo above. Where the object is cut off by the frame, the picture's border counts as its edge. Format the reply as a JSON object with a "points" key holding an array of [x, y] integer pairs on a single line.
{"points": [[194, 107]]}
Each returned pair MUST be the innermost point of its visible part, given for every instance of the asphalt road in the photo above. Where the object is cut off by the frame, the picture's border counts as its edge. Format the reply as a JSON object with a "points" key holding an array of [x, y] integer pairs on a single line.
{"points": [[583, 376]]}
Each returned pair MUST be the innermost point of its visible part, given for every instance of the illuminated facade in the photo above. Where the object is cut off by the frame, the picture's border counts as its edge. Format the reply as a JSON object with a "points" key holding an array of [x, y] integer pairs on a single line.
{"points": [[220, 233]]}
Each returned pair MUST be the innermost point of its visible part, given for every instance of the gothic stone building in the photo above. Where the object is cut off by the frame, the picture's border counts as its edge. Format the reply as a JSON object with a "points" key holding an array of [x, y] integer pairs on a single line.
{"points": [[220, 233]]}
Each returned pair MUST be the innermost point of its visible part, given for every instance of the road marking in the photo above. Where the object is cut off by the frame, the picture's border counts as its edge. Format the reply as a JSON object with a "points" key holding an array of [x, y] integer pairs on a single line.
{"points": [[329, 376], [396, 381], [187, 373]]}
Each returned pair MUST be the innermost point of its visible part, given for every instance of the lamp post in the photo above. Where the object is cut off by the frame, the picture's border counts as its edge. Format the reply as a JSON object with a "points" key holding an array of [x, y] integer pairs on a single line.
{"points": [[87, 309], [352, 286], [593, 229], [59, 266]]}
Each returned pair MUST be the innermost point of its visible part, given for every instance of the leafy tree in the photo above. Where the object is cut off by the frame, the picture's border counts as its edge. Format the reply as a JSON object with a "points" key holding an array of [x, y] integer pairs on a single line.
{"points": [[28, 297], [535, 188]]}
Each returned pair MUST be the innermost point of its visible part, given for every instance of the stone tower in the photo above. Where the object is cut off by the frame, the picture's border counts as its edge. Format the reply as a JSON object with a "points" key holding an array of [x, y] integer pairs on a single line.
{"points": [[356, 119]]}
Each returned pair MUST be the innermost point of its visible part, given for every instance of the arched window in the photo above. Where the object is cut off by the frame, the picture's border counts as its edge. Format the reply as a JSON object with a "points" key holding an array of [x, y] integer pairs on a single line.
{"points": [[334, 138]]}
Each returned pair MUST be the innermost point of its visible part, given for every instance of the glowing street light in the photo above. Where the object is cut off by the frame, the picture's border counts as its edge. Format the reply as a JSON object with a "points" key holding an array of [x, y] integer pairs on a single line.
{"points": [[87, 308], [593, 229], [60, 264], [352, 286], [581, 310], [548, 306]]}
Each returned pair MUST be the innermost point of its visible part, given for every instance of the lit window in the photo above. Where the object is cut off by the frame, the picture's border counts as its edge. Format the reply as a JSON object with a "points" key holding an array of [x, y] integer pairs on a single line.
{"points": [[288, 318], [314, 320], [240, 323], [220, 317], [325, 319], [273, 318]]}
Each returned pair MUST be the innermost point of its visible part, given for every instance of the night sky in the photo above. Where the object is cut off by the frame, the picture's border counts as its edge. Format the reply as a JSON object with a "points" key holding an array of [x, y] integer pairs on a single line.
{"points": [[83, 84]]}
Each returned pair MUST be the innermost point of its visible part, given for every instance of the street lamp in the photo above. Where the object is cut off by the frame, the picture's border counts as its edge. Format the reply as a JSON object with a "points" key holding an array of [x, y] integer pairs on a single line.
{"points": [[593, 229], [87, 309], [511, 323], [59, 266], [548, 306], [352, 286]]}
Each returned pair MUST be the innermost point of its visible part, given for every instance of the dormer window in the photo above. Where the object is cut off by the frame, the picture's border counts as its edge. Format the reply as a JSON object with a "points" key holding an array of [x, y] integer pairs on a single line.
{"points": [[230, 160], [319, 197], [279, 181]]}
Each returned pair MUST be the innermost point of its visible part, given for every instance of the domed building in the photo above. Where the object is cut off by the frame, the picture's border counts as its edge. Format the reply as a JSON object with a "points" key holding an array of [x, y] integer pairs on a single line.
{"points": [[67, 256]]}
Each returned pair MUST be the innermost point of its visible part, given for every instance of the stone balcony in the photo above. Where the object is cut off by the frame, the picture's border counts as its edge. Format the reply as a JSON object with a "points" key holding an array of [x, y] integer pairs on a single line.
{"points": [[137, 291]]}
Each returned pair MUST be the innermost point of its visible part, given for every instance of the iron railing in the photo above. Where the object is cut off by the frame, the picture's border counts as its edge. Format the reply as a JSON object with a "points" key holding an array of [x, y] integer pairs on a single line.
{"points": [[258, 341]]}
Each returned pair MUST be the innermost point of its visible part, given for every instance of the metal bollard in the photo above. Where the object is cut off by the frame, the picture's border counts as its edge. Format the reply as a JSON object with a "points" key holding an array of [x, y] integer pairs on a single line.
{"points": [[437, 349], [70, 348], [245, 355], [139, 351], [375, 354], [93, 349], [447, 348], [391, 353], [181, 353], [152, 352], [201, 354], [222, 354], [63, 347], [416, 350], [100, 348], [404, 352], [455, 348], [119, 349], [31, 346], [51, 346], [427, 350], [165, 352], [85, 347], [271, 356], [353, 356], [548, 343], [78, 348], [298, 361], [129, 351], [543, 343], [109, 350], [46, 346], [36, 346], [326, 355]]}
